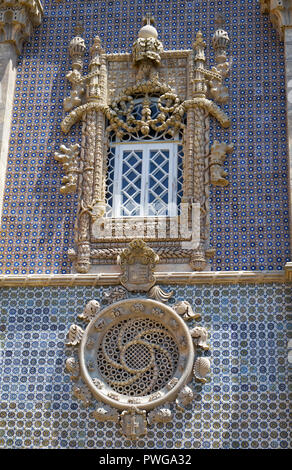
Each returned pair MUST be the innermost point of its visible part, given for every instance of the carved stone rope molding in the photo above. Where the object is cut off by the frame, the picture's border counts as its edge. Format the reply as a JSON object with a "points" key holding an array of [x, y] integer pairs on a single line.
{"points": [[217, 277]]}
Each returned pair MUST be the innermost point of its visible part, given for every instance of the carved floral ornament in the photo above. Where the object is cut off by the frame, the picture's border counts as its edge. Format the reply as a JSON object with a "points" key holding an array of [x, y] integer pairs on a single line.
{"points": [[134, 362], [117, 98]]}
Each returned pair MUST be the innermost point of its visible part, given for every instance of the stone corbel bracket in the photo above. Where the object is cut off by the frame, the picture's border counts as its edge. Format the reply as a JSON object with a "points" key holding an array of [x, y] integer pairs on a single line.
{"points": [[17, 20], [94, 84]]}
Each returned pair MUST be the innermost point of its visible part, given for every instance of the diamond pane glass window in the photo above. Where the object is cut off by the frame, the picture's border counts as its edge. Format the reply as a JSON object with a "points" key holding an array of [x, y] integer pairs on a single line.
{"points": [[146, 179], [127, 199]]}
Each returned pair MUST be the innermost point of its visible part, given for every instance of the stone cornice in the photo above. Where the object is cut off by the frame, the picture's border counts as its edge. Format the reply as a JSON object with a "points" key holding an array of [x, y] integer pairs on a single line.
{"points": [[211, 277], [280, 12], [17, 20]]}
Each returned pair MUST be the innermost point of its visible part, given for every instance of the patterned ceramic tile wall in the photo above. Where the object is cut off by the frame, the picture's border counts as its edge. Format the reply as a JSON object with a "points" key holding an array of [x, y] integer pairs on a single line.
{"points": [[249, 218], [244, 404]]}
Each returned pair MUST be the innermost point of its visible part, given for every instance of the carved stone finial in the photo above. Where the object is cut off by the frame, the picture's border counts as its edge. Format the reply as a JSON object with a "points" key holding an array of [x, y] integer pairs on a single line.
{"points": [[74, 76], [148, 29], [220, 42], [94, 76], [138, 262], [199, 80], [146, 52], [199, 41], [96, 46], [77, 49]]}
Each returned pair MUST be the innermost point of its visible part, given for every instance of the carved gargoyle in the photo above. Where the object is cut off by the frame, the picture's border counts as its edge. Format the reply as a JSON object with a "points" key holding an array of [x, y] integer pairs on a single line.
{"points": [[74, 76], [217, 157], [74, 100], [68, 156]]}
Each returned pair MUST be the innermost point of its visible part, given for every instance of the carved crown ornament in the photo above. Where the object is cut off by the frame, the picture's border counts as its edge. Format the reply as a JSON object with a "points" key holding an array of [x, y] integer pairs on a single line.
{"points": [[134, 362], [140, 113]]}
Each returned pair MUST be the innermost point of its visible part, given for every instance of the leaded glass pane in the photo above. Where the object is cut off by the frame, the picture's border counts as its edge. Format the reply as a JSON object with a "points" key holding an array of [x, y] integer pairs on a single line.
{"points": [[158, 193], [131, 183]]}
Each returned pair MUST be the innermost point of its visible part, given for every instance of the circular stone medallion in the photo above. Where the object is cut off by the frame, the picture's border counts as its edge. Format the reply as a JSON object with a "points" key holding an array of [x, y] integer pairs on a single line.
{"points": [[141, 353]]}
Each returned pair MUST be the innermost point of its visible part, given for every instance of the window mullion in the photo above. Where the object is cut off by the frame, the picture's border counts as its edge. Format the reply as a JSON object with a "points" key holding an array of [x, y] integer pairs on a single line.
{"points": [[117, 188], [145, 181], [172, 180]]}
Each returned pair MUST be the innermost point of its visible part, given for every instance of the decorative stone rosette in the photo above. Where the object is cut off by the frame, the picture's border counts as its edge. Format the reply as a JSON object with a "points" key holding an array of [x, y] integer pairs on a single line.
{"points": [[135, 358]]}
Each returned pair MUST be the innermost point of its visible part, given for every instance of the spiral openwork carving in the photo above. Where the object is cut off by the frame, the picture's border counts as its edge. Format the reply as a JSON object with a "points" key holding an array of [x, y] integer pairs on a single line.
{"points": [[137, 357], [136, 352]]}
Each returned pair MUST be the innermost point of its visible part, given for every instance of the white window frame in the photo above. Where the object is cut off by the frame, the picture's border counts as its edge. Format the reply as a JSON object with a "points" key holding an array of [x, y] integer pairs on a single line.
{"points": [[146, 148]]}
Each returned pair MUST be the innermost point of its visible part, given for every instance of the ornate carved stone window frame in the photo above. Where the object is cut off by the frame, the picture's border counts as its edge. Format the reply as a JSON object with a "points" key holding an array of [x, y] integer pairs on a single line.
{"points": [[103, 102]]}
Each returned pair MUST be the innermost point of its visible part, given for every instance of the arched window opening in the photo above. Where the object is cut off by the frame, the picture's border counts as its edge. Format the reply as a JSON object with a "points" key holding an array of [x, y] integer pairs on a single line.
{"points": [[145, 172]]}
